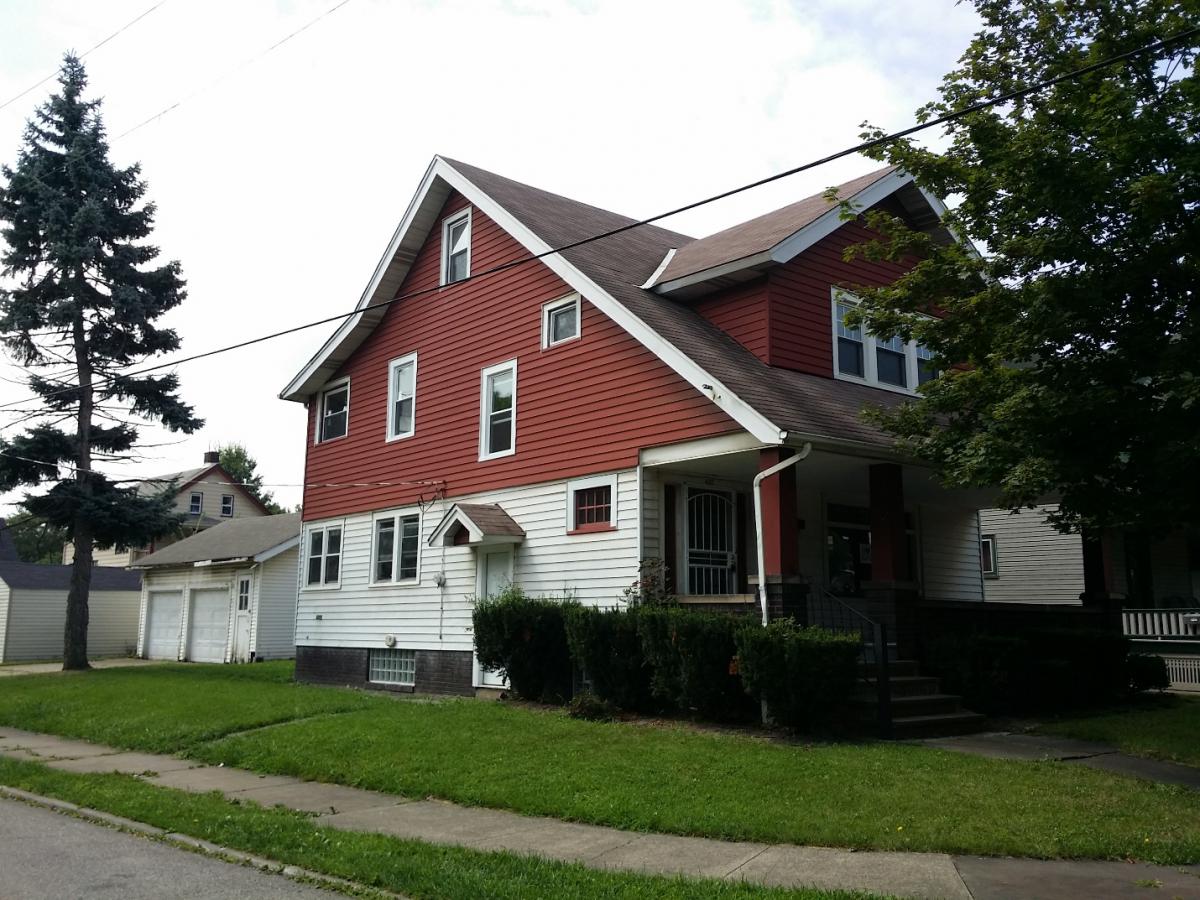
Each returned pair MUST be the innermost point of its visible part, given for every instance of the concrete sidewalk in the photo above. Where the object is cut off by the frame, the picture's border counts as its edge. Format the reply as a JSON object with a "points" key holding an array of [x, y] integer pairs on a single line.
{"points": [[50, 668], [924, 875]]}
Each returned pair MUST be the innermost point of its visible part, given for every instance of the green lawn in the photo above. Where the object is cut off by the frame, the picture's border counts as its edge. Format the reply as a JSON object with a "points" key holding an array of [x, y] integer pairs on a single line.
{"points": [[670, 779], [413, 868], [1166, 727]]}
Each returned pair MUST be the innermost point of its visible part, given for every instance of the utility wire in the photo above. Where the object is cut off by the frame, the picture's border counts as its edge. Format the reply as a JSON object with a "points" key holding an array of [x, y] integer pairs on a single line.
{"points": [[94, 47], [804, 167]]}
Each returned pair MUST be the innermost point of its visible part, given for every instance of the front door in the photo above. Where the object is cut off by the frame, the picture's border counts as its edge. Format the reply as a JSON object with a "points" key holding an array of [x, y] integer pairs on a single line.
{"points": [[495, 574], [711, 542], [241, 626]]}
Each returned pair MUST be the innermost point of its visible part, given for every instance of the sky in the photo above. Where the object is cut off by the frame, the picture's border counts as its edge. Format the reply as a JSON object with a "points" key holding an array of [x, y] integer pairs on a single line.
{"points": [[279, 175]]}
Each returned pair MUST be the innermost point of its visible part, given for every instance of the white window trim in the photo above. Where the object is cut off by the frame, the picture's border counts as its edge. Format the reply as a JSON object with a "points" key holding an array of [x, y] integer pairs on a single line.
{"points": [[395, 515], [395, 364], [548, 310], [579, 484], [325, 391], [447, 223], [193, 508], [231, 499], [304, 556], [243, 580], [870, 374], [994, 571], [485, 399]]}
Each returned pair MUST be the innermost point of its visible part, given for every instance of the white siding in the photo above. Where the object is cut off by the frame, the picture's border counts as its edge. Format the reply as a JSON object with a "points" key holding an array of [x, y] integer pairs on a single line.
{"points": [[186, 579], [651, 515], [36, 620], [4, 595], [273, 612], [594, 567], [949, 540], [1035, 563]]}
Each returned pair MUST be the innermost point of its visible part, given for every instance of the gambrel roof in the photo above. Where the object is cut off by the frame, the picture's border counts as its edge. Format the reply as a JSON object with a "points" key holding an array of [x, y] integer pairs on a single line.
{"points": [[623, 276]]}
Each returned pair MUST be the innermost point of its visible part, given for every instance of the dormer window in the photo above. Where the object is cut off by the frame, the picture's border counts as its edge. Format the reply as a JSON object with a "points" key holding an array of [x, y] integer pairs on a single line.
{"points": [[334, 414], [891, 363], [456, 248]]}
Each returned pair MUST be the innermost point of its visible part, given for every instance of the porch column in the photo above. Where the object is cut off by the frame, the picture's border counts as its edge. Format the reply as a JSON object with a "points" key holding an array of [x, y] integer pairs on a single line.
{"points": [[891, 592], [780, 539], [1099, 576]]}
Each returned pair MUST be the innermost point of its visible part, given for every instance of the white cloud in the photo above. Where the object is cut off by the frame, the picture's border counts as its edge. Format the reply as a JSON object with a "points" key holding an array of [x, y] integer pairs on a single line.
{"points": [[279, 185]]}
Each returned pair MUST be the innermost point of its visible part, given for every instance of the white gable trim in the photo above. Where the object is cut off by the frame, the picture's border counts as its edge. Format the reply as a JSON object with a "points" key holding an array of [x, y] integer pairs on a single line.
{"points": [[277, 549], [475, 536], [738, 410]]}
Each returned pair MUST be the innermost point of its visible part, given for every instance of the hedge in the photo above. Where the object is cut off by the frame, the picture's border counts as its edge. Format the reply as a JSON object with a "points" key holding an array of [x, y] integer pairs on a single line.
{"points": [[524, 638], [605, 644], [804, 675]]}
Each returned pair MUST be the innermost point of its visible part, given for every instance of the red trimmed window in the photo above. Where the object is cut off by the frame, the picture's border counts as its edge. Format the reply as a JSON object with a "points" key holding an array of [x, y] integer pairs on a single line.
{"points": [[593, 508]]}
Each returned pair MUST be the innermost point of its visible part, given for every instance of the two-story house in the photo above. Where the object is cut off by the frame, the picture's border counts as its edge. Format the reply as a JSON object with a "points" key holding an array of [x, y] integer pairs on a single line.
{"points": [[555, 421], [205, 496]]}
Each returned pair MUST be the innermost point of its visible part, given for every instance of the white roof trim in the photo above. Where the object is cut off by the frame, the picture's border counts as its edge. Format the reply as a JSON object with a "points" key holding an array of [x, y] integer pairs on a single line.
{"points": [[790, 247], [666, 261], [688, 369], [277, 549]]}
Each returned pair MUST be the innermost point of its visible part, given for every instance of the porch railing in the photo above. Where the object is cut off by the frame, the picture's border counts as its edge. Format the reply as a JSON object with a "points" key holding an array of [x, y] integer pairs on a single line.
{"points": [[830, 611], [1161, 624]]}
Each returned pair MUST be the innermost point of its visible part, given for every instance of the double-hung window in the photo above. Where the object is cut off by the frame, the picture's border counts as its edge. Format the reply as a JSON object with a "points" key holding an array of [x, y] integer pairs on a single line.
{"points": [[324, 556], [498, 411], [397, 548], [196, 503], [592, 504], [334, 414], [456, 248], [560, 321], [402, 397], [892, 363], [226, 505]]}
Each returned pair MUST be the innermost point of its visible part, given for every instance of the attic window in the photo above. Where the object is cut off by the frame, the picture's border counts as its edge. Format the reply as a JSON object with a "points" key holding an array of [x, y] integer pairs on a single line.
{"points": [[226, 505], [560, 321], [334, 413], [196, 503], [892, 363], [456, 248]]}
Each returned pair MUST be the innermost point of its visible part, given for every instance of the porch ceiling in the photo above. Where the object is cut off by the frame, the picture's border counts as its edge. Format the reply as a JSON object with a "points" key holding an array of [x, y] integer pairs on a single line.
{"points": [[835, 474]]}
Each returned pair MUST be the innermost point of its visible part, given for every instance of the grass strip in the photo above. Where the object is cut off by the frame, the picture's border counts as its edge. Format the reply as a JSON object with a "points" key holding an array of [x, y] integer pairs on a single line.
{"points": [[413, 868], [1165, 727]]}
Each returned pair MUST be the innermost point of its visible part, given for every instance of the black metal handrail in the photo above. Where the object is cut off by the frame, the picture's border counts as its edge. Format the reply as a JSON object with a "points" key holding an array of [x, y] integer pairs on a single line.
{"points": [[828, 610]]}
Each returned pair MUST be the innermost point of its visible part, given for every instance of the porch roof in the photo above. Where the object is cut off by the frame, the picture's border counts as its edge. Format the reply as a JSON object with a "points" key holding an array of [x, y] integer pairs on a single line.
{"points": [[485, 523]]}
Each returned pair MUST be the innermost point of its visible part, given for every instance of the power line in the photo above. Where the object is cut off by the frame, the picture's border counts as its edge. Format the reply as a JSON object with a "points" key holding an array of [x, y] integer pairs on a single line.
{"points": [[127, 25], [795, 170]]}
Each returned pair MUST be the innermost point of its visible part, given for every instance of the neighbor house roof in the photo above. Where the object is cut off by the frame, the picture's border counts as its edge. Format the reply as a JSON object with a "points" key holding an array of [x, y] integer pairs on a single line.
{"points": [[773, 404], [37, 577], [155, 484], [233, 539]]}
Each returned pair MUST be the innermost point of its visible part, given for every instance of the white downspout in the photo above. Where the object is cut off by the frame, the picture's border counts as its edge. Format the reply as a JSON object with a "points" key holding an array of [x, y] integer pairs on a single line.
{"points": [[758, 525]]}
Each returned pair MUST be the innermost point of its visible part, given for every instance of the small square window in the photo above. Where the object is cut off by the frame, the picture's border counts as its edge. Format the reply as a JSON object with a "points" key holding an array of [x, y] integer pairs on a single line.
{"points": [[195, 503], [393, 667], [335, 412], [456, 248], [560, 321], [591, 504], [227, 505]]}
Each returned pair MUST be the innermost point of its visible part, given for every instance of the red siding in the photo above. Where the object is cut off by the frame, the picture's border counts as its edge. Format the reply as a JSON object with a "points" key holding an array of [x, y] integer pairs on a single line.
{"points": [[801, 326], [583, 407], [741, 313]]}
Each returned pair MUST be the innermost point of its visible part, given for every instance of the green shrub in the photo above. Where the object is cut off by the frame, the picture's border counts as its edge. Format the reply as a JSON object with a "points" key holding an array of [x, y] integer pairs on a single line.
{"points": [[693, 661], [804, 675], [1146, 672], [524, 638], [586, 705], [604, 643]]}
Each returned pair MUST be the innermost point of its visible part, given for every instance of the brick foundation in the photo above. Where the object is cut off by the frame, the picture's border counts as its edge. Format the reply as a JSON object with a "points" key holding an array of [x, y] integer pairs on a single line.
{"points": [[438, 671]]}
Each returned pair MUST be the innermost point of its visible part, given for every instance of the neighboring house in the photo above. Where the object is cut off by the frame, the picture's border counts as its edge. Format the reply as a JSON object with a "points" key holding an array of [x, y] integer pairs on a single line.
{"points": [[33, 608], [227, 594], [554, 423], [1025, 559], [206, 496]]}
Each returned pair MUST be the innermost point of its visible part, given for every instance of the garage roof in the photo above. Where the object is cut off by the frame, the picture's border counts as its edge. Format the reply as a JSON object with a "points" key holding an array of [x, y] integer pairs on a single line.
{"points": [[235, 539]]}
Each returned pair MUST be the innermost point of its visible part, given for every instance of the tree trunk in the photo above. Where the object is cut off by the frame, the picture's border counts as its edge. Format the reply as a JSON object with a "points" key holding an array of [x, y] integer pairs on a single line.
{"points": [[75, 655]]}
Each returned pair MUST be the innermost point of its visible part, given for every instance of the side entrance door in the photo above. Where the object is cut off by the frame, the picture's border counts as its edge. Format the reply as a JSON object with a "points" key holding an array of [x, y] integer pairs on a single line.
{"points": [[241, 622], [495, 574]]}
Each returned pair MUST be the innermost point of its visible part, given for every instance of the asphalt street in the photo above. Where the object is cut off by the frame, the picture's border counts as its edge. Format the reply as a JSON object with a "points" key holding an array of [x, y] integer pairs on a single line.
{"points": [[50, 856]]}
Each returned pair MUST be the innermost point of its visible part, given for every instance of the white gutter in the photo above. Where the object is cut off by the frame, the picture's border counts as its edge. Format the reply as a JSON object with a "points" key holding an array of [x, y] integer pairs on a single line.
{"points": [[758, 525]]}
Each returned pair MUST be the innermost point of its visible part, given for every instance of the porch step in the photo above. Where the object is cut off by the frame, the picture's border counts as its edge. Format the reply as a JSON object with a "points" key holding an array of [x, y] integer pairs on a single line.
{"points": [[902, 668], [936, 725], [925, 705], [903, 686]]}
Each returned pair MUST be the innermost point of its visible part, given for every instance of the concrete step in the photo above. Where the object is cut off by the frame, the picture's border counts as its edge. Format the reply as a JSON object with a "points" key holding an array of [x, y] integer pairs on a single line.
{"points": [[902, 667], [901, 686], [925, 705], [936, 725]]}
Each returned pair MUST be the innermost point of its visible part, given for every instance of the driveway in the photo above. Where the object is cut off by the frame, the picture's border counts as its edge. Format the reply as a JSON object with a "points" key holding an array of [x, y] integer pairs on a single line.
{"points": [[49, 855], [47, 668]]}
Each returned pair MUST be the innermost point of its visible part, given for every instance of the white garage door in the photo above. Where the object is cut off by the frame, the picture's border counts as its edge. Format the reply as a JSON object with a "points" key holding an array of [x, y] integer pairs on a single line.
{"points": [[208, 626], [163, 612]]}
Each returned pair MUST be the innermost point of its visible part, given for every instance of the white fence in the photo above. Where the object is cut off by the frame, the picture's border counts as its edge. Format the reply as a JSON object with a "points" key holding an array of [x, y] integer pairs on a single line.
{"points": [[1184, 672], [1163, 624]]}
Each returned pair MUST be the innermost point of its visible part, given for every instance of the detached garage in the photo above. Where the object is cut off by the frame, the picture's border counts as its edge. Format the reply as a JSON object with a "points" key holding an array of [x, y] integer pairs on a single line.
{"points": [[227, 594]]}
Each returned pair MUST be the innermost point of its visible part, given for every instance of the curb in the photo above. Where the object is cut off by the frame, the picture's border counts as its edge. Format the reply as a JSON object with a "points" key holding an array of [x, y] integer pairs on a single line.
{"points": [[196, 845]]}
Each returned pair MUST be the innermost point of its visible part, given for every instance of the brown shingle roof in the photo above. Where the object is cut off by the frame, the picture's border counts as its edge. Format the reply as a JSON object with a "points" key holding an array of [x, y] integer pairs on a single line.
{"points": [[806, 405], [491, 520], [760, 234], [232, 539]]}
